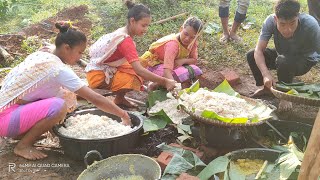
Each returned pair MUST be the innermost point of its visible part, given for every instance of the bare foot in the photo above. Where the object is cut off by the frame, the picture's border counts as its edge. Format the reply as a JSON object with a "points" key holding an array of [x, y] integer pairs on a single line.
{"points": [[29, 152], [285, 105], [235, 38], [261, 92], [125, 103], [224, 39]]}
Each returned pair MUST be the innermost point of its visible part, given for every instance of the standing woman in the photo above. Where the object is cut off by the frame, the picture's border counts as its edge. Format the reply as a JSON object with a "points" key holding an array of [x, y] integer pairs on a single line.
{"points": [[114, 61], [29, 102]]}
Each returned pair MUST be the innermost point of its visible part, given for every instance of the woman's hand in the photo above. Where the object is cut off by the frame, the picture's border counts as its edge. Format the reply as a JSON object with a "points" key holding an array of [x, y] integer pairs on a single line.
{"points": [[126, 119], [169, 84]]}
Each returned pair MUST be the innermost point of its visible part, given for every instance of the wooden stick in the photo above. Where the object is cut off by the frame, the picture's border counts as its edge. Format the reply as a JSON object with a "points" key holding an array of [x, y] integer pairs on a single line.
{"points": [[261, 169], [170, 18], [311, 156], [135, 101]]}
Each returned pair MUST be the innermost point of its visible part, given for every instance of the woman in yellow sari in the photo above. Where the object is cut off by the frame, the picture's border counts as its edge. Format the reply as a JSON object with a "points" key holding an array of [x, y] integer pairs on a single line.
{"points": [[174, 56], [114, 61]]}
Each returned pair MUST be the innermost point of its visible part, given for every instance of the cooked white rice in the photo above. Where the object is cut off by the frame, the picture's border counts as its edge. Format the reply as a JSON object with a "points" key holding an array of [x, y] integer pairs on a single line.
{"points": [[89, 126], [220, 103]]}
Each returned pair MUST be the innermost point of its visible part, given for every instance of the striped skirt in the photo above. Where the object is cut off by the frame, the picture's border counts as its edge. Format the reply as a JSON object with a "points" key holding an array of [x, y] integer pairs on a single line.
{"points": [[180, 74]]}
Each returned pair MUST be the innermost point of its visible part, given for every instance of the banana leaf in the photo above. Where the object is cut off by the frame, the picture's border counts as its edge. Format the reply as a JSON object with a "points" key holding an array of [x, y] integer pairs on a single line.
{"points": [[225, 87], [218, 165], [182, 161], [259, 108], [160, 119], [157, 95], [300, 89], [290, 160], [153, 124], [234, 172]]}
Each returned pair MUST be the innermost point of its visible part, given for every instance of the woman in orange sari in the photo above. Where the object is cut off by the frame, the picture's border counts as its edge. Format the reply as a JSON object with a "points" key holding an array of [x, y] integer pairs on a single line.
{"points": [[174, 56], [114, 61]]}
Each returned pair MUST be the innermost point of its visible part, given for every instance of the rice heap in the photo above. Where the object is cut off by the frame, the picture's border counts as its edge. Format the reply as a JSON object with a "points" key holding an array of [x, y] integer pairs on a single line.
{"points": [[89, 126], [169, 106], [222, 104]]}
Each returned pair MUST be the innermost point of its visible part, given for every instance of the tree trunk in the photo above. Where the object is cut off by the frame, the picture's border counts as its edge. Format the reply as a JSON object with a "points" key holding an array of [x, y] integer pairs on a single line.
{"points": [[310, 167]]}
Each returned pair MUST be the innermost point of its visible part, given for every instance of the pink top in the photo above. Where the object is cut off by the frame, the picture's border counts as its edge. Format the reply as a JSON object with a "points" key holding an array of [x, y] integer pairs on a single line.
{"points": [[170, 50]]}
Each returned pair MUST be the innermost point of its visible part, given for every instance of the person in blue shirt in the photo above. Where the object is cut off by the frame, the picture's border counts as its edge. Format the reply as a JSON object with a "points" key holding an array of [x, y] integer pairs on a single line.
{"points": [[297, 47]]}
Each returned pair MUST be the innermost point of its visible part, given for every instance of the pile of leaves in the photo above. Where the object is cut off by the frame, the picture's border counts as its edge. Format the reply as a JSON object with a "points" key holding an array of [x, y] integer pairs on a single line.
{"points": [[300, 89], [183, 161]]}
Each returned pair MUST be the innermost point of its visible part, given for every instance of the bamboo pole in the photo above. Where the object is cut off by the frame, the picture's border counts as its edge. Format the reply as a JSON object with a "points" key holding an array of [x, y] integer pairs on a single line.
{"points": [[170, 18], [310, 167]]}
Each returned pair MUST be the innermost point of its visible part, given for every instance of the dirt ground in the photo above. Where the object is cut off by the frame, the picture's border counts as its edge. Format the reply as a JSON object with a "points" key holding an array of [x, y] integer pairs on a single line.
{"points": [[59, 166]]}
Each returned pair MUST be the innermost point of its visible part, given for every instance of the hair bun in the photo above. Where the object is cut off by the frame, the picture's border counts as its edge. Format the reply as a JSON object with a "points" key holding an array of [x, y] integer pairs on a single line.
{"points": [[63, 26], [129, 4]]}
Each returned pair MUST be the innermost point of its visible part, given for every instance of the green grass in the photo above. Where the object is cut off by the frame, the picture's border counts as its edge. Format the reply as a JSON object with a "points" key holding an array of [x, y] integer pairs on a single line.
{"points": [[109, 15]]}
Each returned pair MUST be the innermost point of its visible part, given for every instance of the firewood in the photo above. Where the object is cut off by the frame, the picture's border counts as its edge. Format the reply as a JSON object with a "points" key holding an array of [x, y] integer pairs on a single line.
{"points": [[171, 18]]}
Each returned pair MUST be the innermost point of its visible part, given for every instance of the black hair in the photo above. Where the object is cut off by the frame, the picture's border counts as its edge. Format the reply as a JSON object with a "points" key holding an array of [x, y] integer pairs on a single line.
{"points": [[287, 9], [193, 22], [68, 35], [137, 11]]}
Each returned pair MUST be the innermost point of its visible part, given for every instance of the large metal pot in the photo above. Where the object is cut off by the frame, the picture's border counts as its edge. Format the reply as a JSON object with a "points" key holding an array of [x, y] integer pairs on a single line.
{"points": [[124, 166], [270, 155], [78, 148], [255, 153]]}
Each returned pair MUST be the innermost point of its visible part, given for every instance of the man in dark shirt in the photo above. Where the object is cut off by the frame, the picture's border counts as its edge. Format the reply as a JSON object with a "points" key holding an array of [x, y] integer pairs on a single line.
{"points": [[297, 47], [314, 9]]}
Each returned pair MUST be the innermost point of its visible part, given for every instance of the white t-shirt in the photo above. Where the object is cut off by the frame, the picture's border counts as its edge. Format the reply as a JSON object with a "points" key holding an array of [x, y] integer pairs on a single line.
{"points": [[66, 79]]}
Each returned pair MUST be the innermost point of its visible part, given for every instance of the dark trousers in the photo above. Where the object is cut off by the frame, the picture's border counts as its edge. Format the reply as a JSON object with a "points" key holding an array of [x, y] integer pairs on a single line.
{"points": [[287, 68], [314, 9]]}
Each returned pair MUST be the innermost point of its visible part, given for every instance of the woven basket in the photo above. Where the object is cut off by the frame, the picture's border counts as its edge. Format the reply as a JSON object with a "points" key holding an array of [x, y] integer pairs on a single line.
{"points": [[296, 99], [216, 122]]}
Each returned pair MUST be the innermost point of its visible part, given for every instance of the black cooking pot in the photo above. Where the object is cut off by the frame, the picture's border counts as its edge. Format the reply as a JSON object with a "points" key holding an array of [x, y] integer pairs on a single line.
{"points": [[239, 137], [286, 127], [220, 137], [78, 148], [281, 132]]}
